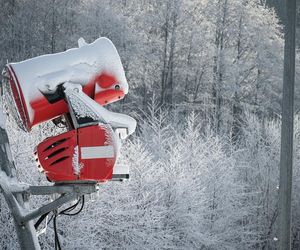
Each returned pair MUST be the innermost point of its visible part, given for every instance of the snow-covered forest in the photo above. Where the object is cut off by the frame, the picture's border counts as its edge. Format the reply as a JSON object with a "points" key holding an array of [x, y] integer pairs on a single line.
{"points": [[205, 79]]}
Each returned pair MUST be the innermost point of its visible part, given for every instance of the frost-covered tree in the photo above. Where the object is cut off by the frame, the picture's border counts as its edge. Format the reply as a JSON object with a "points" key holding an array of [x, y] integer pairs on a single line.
{"points": [[204, 173]]}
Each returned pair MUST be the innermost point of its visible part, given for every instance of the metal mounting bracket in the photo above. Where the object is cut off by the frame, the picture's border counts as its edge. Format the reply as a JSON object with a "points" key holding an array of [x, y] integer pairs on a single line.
{"points": [[17, 195], [67, 193]]}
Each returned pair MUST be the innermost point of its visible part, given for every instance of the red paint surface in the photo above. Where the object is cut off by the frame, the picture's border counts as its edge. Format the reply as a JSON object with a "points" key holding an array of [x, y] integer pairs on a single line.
{"points": [[108, 96], [56, 158], [54, 169], [19, 98], [95, 169], [105, 80], [44, 111]]}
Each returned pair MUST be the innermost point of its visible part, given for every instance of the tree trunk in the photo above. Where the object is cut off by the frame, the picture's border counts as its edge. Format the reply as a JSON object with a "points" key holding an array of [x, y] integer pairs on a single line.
{"points": [[53, 28], [236, 107], [164, 56], [219, 68]]}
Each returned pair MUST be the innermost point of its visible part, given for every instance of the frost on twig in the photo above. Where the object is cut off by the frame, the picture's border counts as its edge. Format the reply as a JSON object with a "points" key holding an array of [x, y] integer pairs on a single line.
{"points": [[2, 119], [75, 161]]}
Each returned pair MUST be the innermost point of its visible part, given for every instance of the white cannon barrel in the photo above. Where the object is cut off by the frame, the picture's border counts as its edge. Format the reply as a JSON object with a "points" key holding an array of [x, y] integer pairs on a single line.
{"points": [[33, 84]]}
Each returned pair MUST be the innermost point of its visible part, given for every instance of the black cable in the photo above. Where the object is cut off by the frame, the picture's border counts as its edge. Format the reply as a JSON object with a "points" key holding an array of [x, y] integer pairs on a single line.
{"points": [[56, 239], [72, 214], [71, 208], [40, 220], [54, 217], [65, 212], [51, 218]]}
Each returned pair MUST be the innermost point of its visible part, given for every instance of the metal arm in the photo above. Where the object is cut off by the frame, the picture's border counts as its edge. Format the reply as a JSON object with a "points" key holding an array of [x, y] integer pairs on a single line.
{"points": [[23, 216], [26, 233], [16, 196]]}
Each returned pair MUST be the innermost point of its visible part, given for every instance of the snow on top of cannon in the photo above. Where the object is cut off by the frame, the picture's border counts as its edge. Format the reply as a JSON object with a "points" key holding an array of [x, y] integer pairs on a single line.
{"points": [[44, 73]]}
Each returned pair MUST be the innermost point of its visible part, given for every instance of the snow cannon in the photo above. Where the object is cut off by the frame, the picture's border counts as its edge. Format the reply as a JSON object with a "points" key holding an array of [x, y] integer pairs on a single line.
{"points": [[35, 85], [70, 88]]}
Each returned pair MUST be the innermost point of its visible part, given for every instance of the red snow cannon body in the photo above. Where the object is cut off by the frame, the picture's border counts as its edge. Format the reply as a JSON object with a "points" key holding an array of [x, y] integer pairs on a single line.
{"points": [[34, 84], [85, 154], [71, 88]]}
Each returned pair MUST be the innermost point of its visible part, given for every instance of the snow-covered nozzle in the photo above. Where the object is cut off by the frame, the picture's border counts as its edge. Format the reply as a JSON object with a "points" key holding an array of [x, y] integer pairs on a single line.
{"points": [[35, 84]]}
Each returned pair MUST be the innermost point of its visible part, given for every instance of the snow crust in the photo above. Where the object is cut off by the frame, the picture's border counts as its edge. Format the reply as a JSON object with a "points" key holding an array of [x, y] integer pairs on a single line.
{"points": [[121, 169], [84, 106], [81, 42], [79, 65], [12, 184], [75, 161], [80, 104], [111, 139], [2, 119]]}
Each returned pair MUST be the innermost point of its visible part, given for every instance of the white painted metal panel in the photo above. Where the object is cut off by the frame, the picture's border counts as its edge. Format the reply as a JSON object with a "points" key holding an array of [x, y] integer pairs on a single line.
{"points": [[97, 152]]}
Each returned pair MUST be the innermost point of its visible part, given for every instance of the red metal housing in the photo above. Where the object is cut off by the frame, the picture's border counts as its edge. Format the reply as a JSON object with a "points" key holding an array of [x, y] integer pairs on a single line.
{"points": [[87, 153], [101, 88]]}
